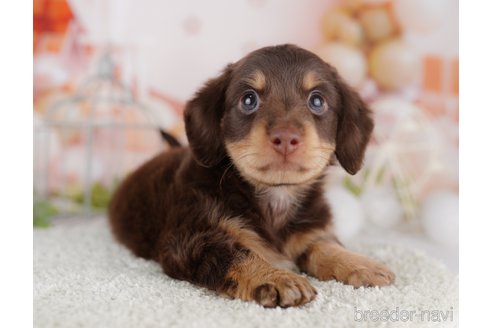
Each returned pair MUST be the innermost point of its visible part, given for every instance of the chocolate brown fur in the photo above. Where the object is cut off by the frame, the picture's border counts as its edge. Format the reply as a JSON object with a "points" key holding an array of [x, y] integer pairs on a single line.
{"points": [[235, 210]]}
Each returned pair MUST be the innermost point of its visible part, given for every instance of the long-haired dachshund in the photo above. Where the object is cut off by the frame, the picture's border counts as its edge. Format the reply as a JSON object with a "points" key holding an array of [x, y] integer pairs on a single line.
{"points": [[241, 208]]}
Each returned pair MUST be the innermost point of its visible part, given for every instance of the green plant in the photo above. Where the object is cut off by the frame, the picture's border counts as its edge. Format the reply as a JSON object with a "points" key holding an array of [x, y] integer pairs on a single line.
{"points": [[43, 211], [100, 196]]}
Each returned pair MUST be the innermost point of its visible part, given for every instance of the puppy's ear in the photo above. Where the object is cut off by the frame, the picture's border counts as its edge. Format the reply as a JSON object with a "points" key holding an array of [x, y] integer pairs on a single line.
{"points": [[203, 115], [354, 128]]}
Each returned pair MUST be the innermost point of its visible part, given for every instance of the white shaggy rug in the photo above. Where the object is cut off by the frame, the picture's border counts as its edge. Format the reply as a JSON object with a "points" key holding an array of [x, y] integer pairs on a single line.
{"points": [[82, 278]]}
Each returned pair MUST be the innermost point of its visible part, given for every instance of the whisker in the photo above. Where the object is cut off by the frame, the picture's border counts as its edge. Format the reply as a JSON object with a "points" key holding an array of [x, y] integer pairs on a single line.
{"points": [[241, 157], [223, 175], [327, 149]]}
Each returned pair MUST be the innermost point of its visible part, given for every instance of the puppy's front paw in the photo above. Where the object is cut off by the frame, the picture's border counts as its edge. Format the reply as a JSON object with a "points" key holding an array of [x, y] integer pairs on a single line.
{"points": [[284, 289], [368, 273]]}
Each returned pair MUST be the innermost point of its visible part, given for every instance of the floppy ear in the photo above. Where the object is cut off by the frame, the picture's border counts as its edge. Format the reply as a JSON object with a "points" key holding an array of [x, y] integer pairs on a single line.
{"points": [[203, 115], [354, 128]]}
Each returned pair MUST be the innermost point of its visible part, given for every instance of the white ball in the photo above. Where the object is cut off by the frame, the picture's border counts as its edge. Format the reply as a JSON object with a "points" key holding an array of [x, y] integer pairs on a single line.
{"points": [[420, 15], [382, 206], [394, 64], [348, 215], [349, 61], [440, 216]]}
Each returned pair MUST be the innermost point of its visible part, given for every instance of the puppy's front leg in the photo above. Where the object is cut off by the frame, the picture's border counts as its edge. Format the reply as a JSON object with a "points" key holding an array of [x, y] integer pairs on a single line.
{"points": [[231, 260], [325, 258], [255, 279]]}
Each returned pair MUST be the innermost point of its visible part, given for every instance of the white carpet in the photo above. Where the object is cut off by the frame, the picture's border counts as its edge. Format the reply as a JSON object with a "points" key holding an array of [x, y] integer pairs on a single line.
{"points": [[82, 278]]}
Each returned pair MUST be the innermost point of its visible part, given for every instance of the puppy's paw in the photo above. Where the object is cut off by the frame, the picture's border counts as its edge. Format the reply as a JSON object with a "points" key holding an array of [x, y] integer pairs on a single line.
{"points": [[368, 273], [284, 289]]}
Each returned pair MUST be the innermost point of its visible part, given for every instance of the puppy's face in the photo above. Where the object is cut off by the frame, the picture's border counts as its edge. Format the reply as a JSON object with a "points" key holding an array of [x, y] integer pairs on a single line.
{"points": [[280, 114], [280, 121]]}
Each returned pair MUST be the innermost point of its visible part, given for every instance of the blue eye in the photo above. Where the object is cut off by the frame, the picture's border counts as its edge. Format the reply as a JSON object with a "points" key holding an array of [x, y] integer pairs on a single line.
{"points": [[316, 103], [249, 102]]}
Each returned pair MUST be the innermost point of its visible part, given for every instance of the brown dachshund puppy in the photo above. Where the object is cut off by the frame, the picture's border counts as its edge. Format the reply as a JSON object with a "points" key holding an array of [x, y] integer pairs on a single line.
{"points": [[240, 208]]}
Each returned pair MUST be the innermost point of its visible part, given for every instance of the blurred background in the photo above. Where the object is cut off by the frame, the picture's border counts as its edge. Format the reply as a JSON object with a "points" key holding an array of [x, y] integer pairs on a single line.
{"points": [[109, 73]]}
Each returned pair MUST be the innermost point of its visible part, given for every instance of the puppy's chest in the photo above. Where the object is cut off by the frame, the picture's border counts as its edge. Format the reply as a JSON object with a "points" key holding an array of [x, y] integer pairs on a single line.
{"points": [[278, 205]]}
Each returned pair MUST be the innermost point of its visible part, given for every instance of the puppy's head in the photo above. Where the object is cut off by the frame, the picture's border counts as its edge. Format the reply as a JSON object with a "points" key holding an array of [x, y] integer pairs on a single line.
{"points": [[280, 114]]}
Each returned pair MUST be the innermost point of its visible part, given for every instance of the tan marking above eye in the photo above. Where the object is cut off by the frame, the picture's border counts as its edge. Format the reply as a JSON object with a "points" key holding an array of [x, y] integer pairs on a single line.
{"points": [[257, 80], [311, 80]]}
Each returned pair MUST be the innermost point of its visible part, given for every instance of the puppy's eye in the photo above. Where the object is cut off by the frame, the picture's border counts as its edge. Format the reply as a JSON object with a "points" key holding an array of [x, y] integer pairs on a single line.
{"points": [[249, 102], [317, 105]]}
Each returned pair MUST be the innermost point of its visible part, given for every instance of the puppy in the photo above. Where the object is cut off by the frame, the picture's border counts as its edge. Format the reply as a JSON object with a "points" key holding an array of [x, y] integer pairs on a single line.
{"points": [[242, 207]]}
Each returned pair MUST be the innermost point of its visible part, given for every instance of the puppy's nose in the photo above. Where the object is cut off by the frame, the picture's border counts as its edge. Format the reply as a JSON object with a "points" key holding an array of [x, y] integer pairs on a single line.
{"points": [[285, 141]]}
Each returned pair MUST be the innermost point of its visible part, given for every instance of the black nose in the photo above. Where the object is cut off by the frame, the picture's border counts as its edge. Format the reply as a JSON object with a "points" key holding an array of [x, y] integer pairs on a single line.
{"points": [[284, 141]]}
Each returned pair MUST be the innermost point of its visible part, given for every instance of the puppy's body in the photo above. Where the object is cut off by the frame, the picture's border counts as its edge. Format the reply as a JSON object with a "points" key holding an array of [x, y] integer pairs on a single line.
{"points": [[242, 205], [173, 191]]}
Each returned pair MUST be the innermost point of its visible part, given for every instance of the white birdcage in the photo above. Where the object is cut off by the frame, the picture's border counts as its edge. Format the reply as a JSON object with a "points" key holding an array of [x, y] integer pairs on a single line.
{"points": [[87, 142]]}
